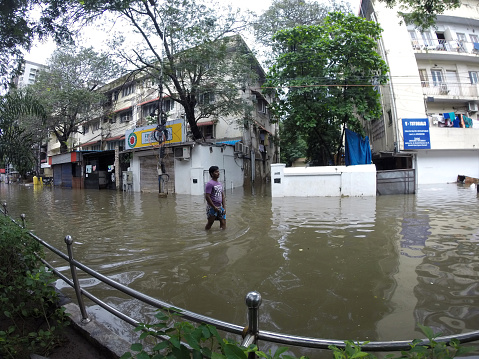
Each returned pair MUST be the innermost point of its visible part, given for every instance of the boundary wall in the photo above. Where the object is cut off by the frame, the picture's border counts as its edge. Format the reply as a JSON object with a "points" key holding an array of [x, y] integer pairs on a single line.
{"points": [[323, 181]]}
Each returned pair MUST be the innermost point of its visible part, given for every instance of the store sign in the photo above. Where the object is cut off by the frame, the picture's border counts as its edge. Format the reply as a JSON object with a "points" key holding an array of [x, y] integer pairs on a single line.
{"points": [[416, 133], [142, 136]]}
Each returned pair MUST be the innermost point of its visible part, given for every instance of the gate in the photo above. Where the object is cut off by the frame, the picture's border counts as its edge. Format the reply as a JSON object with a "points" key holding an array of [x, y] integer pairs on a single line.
{"points": [[396, 182]]}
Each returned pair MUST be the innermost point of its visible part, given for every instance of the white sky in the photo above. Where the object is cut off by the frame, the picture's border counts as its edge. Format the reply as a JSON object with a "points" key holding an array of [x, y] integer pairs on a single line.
{"points": [[40, 52]]}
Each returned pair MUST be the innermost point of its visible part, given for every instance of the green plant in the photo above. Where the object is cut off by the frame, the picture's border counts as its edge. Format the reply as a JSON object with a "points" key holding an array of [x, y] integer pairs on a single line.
{"points": [[30, 320], [436, 350], [433, 350], [170, 338], [350, 351]]}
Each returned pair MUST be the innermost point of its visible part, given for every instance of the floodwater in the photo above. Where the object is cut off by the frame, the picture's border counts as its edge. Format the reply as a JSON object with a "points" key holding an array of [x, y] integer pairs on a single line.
{"points": [[335, 268]]}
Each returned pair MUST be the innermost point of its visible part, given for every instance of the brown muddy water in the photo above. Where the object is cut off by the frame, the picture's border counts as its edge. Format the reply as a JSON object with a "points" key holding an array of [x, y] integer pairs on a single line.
{"points": [[335, 268]]}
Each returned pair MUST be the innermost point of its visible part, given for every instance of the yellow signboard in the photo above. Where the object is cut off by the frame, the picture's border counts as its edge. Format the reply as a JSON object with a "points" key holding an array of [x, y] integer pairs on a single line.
{"points": [[143, 136]]}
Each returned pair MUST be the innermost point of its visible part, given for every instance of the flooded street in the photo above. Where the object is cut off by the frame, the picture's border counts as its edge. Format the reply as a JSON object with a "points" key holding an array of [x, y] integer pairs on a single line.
{"points": [[338, 268]]}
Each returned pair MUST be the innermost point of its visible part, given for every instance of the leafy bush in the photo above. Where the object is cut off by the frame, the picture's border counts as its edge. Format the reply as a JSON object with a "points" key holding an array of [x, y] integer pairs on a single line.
{"points": [[164, 340], [30, 321]]}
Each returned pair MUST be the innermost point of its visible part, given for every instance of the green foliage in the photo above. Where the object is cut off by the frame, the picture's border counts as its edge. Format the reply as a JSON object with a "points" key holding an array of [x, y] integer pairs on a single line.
{"points": [[169, 338], [326, 78], [350, 351], [288, 14], [19, 28], [67, 90], [16, 138], [30, 321], [422, 13]]}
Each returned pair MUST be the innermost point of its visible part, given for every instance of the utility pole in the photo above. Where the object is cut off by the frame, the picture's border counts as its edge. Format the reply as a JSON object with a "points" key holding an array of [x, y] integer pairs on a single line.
{"points": [[161, 128]]}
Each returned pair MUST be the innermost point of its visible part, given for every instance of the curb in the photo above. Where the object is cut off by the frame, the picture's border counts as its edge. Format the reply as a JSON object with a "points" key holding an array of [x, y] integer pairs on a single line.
{"points": [[96, 333]]}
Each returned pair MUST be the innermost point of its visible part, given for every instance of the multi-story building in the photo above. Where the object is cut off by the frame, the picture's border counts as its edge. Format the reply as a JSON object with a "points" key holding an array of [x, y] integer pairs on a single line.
{"points": [[117, 146], [430, 106], [29, 74]]}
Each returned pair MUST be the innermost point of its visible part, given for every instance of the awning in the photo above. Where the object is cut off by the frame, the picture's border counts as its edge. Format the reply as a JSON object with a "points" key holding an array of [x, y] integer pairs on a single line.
{"points": [[144, 103], [89, 143], [121, 137], [122, 109], [207, 123]]}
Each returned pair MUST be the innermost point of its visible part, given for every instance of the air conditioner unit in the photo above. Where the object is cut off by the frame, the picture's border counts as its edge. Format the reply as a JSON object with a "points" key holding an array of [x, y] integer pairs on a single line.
{"points": [[239, 147], [472, 106], [182, 153]]}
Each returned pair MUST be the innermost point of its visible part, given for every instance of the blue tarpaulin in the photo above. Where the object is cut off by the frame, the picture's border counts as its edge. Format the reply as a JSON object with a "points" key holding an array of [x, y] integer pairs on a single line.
{"points": [[358, 151]]}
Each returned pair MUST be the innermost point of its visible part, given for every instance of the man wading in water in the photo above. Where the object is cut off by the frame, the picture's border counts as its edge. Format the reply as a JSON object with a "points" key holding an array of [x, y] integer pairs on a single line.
{"points": [[215, 199]]}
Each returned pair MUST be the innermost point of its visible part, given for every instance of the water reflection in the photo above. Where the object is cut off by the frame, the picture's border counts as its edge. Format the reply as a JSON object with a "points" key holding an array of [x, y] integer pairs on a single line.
{"points": [[342, 268]]}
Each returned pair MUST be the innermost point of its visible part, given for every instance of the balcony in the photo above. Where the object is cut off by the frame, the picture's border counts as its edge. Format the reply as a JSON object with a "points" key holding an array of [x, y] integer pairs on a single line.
{"points": [[447, 91], [452, 46]]}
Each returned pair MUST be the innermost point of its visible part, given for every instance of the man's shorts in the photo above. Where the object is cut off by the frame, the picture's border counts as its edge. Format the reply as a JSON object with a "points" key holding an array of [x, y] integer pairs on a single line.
{"points": [[210, 212]]}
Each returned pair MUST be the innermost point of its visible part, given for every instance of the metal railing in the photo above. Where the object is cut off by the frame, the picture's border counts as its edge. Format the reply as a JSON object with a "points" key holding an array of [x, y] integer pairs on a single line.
{"points": [[251, 334]]}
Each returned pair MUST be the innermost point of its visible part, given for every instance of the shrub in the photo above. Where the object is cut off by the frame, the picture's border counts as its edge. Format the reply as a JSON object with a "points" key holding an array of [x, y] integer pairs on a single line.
{"points": [[30, 320]]}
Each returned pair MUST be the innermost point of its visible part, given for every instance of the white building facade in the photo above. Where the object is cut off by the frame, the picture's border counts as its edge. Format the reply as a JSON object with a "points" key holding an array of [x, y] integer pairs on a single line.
{"points": [[118, 143], [430, 106]]}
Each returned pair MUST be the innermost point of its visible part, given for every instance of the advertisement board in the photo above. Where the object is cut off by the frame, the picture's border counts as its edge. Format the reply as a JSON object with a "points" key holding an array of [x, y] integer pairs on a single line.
{"points": [[416, 133], [142, 136]]}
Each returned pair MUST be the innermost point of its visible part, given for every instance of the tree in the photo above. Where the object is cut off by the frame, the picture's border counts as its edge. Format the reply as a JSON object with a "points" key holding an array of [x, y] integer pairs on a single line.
{"points": [[287, 14], [19, 27], [326, 77], [422, 13], [16, 140], [184, 45], [68, 90]]}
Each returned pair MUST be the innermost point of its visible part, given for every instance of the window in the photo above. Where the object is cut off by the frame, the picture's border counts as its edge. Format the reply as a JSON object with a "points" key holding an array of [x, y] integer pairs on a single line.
{"points": [[437, 78], [262, 106], [473, 77], [423, 77], [86, 128], [128, 90], [96, 126], [206, 98], [115, 95], [149, 109], [112, 118], [112, 144], [126, 116], [474, 38], [168, 104], [95, 148], [461, 37], [414, 41], [427, 38], [208, 132]]}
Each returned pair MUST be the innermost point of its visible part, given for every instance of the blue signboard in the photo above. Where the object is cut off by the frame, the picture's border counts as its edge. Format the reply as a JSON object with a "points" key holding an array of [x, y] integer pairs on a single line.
{"points": [[416, 133]]}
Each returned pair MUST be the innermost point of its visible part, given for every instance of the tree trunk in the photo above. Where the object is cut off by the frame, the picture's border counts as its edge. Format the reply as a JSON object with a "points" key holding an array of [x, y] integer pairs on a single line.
{"points": [[190, 117]]}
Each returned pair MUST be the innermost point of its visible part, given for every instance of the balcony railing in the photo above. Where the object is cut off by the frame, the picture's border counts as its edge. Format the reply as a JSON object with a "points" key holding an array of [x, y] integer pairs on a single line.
{"points": [[456, 46], [430, 88]]}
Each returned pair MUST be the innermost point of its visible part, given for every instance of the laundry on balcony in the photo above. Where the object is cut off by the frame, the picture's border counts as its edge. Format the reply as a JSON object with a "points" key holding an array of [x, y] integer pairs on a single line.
{"points": [[476, 46]]}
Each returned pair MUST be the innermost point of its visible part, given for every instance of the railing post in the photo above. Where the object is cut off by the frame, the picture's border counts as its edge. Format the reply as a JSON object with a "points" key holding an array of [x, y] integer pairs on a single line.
{"points": [[253, 302], [22, 216], [4, 204], [69, 242]]}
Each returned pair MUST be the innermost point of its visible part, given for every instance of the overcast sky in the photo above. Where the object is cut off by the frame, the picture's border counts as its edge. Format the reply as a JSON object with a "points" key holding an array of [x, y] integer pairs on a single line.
{"points": [[41, 52]]}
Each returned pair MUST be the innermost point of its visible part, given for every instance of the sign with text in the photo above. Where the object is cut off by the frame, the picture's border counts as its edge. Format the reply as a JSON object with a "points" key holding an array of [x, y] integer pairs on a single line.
{"points": [[416, 133], [142, 136]]}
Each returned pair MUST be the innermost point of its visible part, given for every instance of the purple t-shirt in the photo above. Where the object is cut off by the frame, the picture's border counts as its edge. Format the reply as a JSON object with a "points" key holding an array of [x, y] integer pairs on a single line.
{"points": [[215, 189]]}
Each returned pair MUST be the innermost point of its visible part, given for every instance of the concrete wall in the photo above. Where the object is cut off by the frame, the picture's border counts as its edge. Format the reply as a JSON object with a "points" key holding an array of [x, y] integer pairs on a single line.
{"points": [[190, 175], [323, 181], [444, 166]]}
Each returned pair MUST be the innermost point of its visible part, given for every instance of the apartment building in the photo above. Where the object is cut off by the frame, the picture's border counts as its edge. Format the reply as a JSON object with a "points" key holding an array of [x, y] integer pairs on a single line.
{"points": [[430, 106], [117, 147], [29, 74]]}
